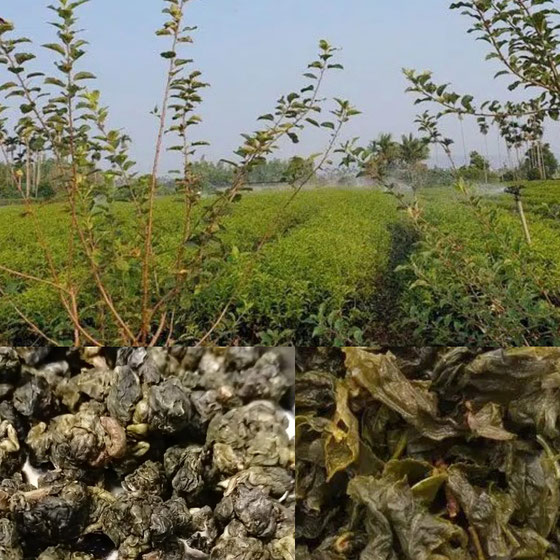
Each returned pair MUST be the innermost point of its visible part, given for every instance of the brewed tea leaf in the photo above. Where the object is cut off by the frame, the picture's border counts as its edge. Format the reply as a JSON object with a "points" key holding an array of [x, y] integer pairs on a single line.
{"points": [[380, 375], [457, 454], [342, 442]]}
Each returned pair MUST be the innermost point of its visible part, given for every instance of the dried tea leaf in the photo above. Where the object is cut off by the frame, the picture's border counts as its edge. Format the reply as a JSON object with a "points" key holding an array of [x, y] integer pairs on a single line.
{"points": [[147, 454]]}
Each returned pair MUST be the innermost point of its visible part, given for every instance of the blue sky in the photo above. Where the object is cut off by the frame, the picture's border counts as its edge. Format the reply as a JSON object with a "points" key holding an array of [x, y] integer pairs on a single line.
{"points": [[252, 51]]}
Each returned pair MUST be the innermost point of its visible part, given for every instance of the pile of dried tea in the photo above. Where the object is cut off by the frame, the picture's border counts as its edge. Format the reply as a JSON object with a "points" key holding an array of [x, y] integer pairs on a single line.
{"points": [[428, 454], [157, 454]]}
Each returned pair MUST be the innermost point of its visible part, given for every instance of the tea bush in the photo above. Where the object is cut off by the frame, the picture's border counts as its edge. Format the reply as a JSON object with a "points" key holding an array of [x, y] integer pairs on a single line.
{"points": [[333, 257], [480, 284]]}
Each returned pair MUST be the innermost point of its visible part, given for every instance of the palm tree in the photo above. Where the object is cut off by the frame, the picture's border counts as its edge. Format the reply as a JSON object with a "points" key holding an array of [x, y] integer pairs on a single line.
{"points": [[384, 155], [385, 147], [413, 151]]}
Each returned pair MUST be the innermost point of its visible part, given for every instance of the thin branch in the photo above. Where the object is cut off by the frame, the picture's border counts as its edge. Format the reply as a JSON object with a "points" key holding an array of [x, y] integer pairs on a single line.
{"points": [[75, 220], [26, 276], [148, 242], [216, 322], [27, 320], [159, 330]]}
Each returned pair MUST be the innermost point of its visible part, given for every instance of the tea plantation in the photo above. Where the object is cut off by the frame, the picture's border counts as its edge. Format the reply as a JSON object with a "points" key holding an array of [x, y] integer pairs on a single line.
{"points": [[326, 256], [327, 274]]}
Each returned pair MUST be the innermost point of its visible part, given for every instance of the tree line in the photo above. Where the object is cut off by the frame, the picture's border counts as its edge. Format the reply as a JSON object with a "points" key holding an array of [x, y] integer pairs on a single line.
{"points": [[40, 176], [405, 159]]}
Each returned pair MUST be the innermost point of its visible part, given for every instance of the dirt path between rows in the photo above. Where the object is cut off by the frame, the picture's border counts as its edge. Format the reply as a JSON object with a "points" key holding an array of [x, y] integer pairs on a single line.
{"points": [[387, 314]]}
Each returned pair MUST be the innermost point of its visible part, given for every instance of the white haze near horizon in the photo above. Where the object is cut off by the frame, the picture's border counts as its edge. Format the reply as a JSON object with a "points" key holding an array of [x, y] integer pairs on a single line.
{"points": [[253, 51]]}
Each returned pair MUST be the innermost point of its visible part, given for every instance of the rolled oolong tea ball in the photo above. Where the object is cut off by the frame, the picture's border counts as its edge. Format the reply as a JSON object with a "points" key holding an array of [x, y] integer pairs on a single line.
{"points": [[149, 477], [168, 406], [185, 467], [10, 548], [252, 435], [253, 507], [266, 379], [138, 522], [34, 399], [78, 440], [12, 456], [52, 515]]}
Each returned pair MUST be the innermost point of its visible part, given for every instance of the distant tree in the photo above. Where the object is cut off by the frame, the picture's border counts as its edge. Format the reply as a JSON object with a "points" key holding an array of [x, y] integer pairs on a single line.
{"points": [[42, 175], [212, 175], [386, 147], [216, 175], [478, 168], [478, 162], [413, 152], [298, 169], [384, 155], [539, 159], [272, 171]]}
